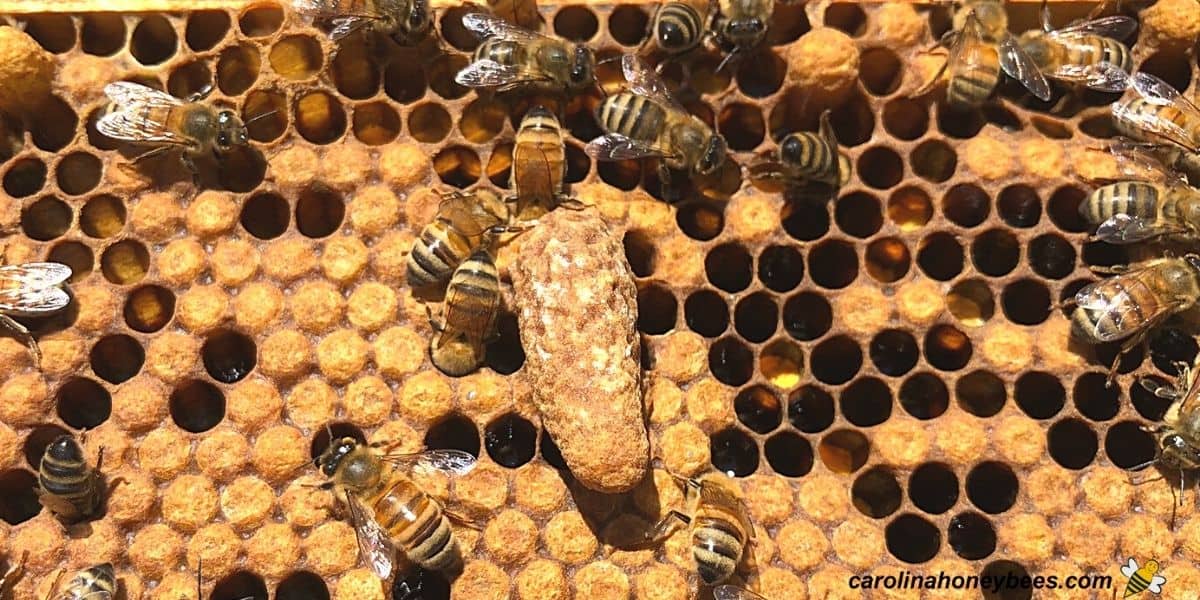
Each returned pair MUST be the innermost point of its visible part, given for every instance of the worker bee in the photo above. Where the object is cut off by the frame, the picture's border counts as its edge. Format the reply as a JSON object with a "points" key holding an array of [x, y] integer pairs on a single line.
{"points": [[405, 21], [511, 57], [740, 25], [718, 521], [468, 315], [1178, 446], [980, 48], [98, 582], [805, 156], [1138, 298], [677, 27], [647, 122], [1088, 53], [1159, 114], [387, 508], [70, 488], [456, 231], [31, 290], [1150, 201], [144, 115], [539, 160]]}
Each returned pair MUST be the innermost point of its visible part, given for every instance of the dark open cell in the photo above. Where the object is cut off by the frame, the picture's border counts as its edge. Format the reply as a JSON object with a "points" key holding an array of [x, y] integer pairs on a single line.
{"points": [[934, 160], [980, 393], [639, 251], [53, 125], [333, 431], [188, 79], [804, 217], [578, 164], [866, 402], [576, 23], [894, 352], [46, 219], [734, 453], [758, 408], [18, 496], [1072, 443], [880, 71], [229, 355], [458, 166], [205, 28], [25, 177], [103, 34], [853, 121], [780, 268], [355, 73], [729, 267], [38, 440], [197, 406], [404, 81], [320, 119], [1063, 209], [844, 451], [742, 125], [261, 20], [243, 169], [836, 360], [992, 487], [482, 120], [1050, 128], [455, 432], [833, 264], [1103, 254], [972, 536], [762, 76], [550, 452], [924, 396], [153, 40], [1040, 395], [1144, 401], [849, 18], [807, 316], [429, 122], [627, 23], [622, 174], [78, 173], [1171, 66], [859, 214], [265, 215], [730, 361], [319, 211], [810, 409], [755, 317], [876, 493], [996, 252], [149, 308], [54, 32], [440, 74], [656, 310], [1007, 570], [376, 123], [1051, 256], [83, 403], [419, 584], [933, 488], [1026, 302], [1099, 127], [789, 454], [880, 168], [237, 68], [1019, 206], [700, 220], [1001, 117], [1168, 346], [947, 348], [912, 539], [75, 255], [1128, 445], [888, 260], [966, 204], [961, 123], [505, 355], [511, 440], [1106, 355], [906, 119], [1094, 398], [240, 585], [940, 256], [706, 313], [117, 358], [302, 585]]}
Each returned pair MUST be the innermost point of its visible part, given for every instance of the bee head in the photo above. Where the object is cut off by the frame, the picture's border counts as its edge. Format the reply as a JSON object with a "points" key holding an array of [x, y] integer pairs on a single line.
{"points": [[64, 448], [333, 456], [418, 19], [582, 65], [230, 131], [745, 32], [713, 157]]}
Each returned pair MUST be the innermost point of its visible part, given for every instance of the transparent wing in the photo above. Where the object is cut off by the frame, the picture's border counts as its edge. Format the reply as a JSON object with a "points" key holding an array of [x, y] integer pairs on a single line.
{"points": [[450, 462], [1115, 27], [1136, 162], [32, 289], [331, 9], [1158, 92], [1017, 64], [373, 543], [1127, 229], [466, 214], [1129, 569], [344, 26], [138, 114], [826, 131], [733, 592], [1156, 584], [1103, 76], [718, 495], [35, 275], [1118, 308], [488, 26], [614, 146], [489, 73], [645, 82]]}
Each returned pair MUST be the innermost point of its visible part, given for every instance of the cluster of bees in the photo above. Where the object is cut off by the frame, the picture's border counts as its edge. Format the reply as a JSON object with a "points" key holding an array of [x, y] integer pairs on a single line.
{"points": [[392, 516]]}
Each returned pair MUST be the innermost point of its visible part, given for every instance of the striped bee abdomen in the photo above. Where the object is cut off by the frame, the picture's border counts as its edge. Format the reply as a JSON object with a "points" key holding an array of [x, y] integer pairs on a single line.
{"points": [[502, 51], [632, 116], [472, 295], [717, 547], [1133, 198], [972, 84], [417, 526], [809, 156], [1126, 303], [439, 250], [68, 484]]}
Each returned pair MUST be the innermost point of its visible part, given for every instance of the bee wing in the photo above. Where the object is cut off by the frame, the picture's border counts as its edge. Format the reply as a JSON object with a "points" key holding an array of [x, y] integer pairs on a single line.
{"points": [[489, 73], [1128, 229], [448, 461], [718, 495], [733, 592], [373, 543], [614, 146], [1103, 76], [465, 213], [1017, 64], [1129, 569], [1135, 162], [1158, 92], [1115, 27], [645, 82], [136, 112], [32, 289], [488, 26]]}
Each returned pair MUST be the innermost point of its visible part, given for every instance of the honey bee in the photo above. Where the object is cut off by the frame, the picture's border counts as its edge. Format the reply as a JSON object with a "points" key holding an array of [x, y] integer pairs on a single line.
{"points": [[805, 156], [539, 160], [1178, 446], [70, 488], [740, 25], [405, 21], [1088, 53], [31, 290], [980, 48], [387, 508], [1149, 202], [719, 523], [452, 236], [1135, 300], [98, 582], [647, 122], [677, 27], [511, 57], [1158, 115], [144, 115], [468, 315]]}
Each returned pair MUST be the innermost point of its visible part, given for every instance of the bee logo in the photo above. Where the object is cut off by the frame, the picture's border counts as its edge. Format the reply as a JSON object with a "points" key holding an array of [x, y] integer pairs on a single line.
{"points": [[1142, 578]]}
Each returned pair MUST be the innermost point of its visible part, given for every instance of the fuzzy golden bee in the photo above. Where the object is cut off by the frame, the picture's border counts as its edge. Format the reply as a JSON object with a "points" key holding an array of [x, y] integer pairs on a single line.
{"points": [[144, 115], [807, 157], [1178, 436], [69, 487], [468, 316], [1158, 114], [647, 122], [98, 582], [981, 47], [459, 227], [718, 521], [511, 57], [1148, 201], [405, 21], [31, 290], [388, 510], [539, 161], [1089, 53]]}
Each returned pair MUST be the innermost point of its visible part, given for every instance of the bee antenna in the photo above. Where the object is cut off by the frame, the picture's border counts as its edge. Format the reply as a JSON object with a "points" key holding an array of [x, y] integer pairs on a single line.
{"points": [[261, 116], [728, 57]]}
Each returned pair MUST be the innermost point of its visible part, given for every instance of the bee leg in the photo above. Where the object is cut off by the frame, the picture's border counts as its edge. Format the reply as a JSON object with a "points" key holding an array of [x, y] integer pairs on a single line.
{"points": [[148, 154], [666, 527], [461, 519], [201, 94], [932, 80], [1110, 270], [22, 333], [437, 327], [669, 193], [191, 166], [1161, 391]]}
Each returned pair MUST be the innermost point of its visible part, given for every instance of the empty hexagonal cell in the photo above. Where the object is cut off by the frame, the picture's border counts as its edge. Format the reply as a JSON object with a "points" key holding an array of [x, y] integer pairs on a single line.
{"points": [[706, 313], [1129, 446], [125, 262], [782, 364], [297, 57], [730, 361], [320, 118], [880, 167], [510, 440], [54, 32], [807, 316], [75, 255], [980, 393], [576, 23], [440, 74], [924, 396], [237, 68], [992, 487], [909, 208], [933, 488], [880, 71], [261, 20], [1051, 256], [205, 29], [53, 125], [780, 268], [996, 252], [82, 403], [102, 34], [761, 75], [1040, 395], [77, 173], [947, 348], [153, 40], [627, 23], [894, 352], [742, 125], [305, 585], [876, 493], [117, 358], [455, 432], [355, 73], [805, 218], [888, 260], [197, 406], [1051, 128], [46, 219], [836, 360], [1094, 398], [789, 454], [458, 166], [848, 18], [404, 81], [971, 536], [755, 317], [1026, 302], [844, 450], [1171, 66], [323, 436], [319, 211], [482, 120], [966, 205], [499, 165], [729, 267], [971, 302], [853, 121], [189, 79], [149, 308], [229, 356], [12, 137], [238, 586], [429, 122], [858, 214], [833, 264], [961, 123], [25, 177], [934, 160], [505, 355], [1019, 206], [265, 215], [657, 309], [733, 452], [621, 174], [940, 256], [810, 409], [866, 402], [758, 408], [18, 496], [640, 253], [1063, 208], [376, 123], [906, 119], [1168, 346]]}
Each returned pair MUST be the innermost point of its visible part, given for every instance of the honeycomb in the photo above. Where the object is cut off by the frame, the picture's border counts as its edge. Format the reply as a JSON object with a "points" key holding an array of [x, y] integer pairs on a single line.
{"points": [[883, 372]]}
